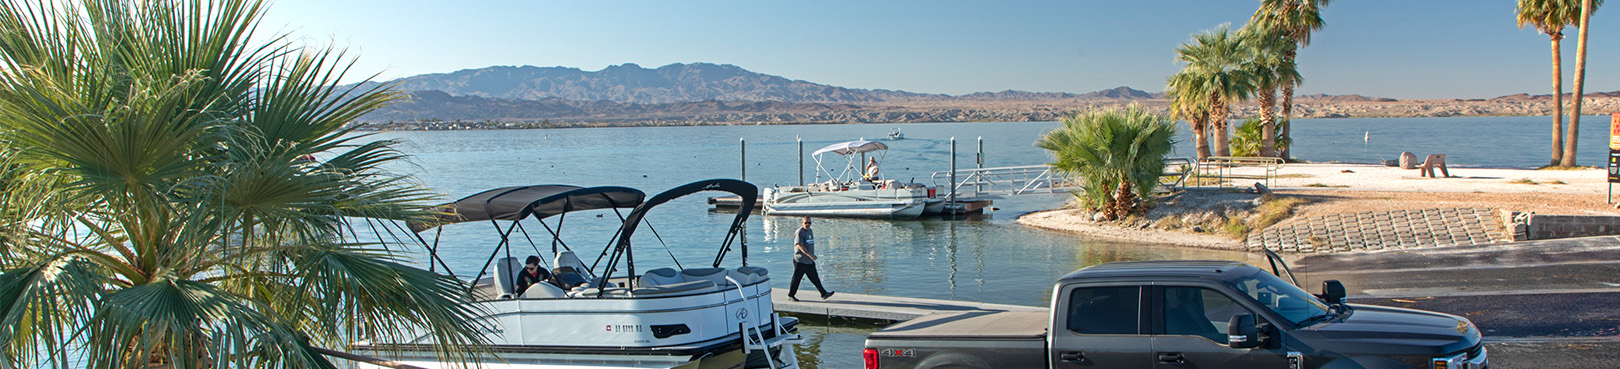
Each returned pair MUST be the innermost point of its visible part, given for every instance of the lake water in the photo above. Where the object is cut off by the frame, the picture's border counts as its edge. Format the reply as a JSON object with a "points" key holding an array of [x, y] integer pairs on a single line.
{"points": [[989, 259]]}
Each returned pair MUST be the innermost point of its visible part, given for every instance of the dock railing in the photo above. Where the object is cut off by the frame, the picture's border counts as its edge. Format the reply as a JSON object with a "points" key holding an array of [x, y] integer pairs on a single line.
{"points": [[1040, 179], [1005, 181], [1225, 169]]}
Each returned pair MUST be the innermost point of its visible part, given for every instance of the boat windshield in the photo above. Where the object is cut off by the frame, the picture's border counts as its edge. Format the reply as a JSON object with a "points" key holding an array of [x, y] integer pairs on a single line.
{"points": [[1288, 301]]}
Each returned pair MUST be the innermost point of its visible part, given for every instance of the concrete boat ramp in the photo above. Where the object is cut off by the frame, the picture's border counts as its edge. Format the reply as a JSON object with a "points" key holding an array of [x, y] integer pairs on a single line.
{"points": [[873, 307]]}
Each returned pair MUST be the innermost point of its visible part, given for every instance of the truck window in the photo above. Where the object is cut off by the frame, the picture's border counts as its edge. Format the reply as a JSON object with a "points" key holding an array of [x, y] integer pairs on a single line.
{"points": [[1195, 311], [1293, 304], [1105, 310]]}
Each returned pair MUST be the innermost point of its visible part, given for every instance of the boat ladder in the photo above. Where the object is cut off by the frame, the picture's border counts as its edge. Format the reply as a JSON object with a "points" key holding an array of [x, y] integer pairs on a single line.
{"points": [[752, 338]]}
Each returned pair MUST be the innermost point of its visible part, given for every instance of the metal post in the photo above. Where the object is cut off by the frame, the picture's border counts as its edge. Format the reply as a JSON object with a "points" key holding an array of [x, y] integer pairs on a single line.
{"points": [[980, 162], [742, 147], [801, 160], [950, 202]]}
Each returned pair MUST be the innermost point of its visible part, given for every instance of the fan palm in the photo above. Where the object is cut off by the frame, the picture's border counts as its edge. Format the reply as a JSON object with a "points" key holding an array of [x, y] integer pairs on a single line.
{"points": [[1214, 67], [1551, 17], [160, 205], [1268, 69], [1587, 8], [1294, 19], [1248, 139], [1119, 153], [1188, 102]]}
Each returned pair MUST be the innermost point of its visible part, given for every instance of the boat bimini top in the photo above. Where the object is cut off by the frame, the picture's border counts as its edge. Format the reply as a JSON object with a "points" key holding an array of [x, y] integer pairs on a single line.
{"points": [[744, 190], [514, 204], [847, 149]]}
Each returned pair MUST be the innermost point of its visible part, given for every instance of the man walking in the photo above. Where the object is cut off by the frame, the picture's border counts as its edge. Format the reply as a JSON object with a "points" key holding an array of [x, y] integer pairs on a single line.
{"points": [[804, 261]]}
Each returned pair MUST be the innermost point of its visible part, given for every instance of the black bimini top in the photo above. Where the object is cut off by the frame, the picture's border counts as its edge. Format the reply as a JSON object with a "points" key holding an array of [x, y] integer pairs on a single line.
{"points": [[1221, 270], [540, 201]]}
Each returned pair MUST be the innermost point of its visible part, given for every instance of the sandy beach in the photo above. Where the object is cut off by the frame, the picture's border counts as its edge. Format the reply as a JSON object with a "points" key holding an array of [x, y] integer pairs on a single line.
{"points": [[1353, 188]]}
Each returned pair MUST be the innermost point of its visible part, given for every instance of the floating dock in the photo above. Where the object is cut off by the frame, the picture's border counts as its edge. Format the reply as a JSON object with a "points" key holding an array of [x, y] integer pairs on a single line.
{"points": [[872, 307]]}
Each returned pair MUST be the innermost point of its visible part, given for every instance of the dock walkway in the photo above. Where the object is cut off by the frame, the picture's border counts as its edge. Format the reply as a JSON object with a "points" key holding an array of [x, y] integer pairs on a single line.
{"points": [[853, 305]]}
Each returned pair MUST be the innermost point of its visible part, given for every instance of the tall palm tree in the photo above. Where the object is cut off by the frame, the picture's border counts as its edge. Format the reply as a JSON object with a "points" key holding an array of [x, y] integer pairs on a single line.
{"points": [[1587, 8], [1214, 67], [1188, 103], [1550, 17], [1119, 153], [159, 205], [1268, 69], [1295, 19]]}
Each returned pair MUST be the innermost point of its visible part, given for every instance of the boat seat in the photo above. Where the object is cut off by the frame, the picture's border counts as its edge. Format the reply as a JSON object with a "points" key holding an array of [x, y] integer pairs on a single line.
{"points": [[568, 259], [716, 275], [506, 270], [682, 287], [544, 291], [591, 292], [750, 274], [661, 277]]}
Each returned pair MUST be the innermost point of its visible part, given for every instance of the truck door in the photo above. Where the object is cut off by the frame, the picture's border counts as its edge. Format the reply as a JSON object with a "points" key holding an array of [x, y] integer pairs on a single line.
{"points": [[1099, 327], [1191, 323]]}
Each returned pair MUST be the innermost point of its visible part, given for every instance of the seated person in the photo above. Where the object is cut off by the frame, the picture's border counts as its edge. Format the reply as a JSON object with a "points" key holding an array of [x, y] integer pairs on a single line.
{"points": [[871, 171], [532, 273]]}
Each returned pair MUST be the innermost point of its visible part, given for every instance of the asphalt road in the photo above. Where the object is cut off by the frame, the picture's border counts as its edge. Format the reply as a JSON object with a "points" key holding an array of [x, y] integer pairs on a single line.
{"points": [[1553, 288]]}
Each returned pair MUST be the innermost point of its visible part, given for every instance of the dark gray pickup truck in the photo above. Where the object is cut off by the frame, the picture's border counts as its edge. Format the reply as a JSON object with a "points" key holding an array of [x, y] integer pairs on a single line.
{"points": [[1183, 314]]}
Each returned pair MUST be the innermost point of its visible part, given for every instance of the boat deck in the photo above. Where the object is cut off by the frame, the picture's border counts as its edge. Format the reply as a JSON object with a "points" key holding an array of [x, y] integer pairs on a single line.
{"points": [[853, 305]]}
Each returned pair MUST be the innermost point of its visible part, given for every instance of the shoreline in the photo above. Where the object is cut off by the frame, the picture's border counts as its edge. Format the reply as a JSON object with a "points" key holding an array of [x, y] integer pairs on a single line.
{"points": [[1344, 189]]}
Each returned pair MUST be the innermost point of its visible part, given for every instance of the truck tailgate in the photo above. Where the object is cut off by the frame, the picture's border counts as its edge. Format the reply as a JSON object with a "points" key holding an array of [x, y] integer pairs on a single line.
{"points": [[979, 339], [970, 325]]}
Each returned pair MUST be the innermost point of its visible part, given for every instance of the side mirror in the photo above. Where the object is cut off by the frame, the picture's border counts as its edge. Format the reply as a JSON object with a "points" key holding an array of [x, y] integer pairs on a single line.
{"points": [[1333, 292], [1243, 332]]}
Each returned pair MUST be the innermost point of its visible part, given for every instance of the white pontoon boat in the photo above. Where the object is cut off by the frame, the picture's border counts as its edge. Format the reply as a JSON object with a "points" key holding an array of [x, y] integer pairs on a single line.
{"points": [[847, 194], [588, 316]]}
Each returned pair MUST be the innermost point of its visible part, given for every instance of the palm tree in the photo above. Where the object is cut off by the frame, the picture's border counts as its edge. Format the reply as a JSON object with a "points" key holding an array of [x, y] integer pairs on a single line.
{"points": [[1119, 153], [1587, 8], [1188, 103], [1295, 19], [159, 205], [1214, 67], [1550, 17], [1268, 69]]}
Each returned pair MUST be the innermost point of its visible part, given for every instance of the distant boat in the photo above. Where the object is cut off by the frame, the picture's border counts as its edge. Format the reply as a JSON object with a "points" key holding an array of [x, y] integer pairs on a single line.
{"points": [[847, 196], [896, 135]]}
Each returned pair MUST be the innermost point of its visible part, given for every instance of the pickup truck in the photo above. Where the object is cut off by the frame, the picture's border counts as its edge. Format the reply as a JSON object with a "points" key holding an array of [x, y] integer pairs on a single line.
{"points": [[1183, 314]]}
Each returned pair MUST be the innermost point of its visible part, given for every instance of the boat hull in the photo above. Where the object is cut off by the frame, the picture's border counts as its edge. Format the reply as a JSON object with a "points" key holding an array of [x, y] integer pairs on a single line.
{"points": [[881, 204], [696, 320]]}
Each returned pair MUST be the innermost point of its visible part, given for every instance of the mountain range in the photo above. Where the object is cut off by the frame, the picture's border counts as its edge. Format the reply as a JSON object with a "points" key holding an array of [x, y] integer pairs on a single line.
{"points": [[704, 93]]}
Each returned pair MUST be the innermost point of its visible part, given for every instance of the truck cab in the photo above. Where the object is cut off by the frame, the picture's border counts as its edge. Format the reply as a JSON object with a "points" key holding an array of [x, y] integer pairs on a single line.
{"points": [[1193, 314]]}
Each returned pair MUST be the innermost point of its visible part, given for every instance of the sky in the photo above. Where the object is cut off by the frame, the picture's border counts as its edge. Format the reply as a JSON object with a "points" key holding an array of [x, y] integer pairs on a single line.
{"points": [[1384, 48]]}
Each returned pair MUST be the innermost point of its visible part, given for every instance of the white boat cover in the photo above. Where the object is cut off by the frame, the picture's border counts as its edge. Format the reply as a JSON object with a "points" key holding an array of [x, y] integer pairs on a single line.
{"points": [[852, 147]]}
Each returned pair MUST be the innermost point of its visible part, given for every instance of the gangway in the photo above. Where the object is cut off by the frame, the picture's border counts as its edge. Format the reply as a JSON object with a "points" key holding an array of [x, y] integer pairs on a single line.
{"points": [[989, 183]]}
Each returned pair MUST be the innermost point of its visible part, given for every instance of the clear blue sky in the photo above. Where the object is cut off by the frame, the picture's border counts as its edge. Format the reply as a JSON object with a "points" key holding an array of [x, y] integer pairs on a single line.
{"points": [[1388, 48]]}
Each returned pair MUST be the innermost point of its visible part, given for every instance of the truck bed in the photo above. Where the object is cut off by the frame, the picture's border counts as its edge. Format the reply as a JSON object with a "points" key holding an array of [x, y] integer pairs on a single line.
{"points": [[977, 325]]}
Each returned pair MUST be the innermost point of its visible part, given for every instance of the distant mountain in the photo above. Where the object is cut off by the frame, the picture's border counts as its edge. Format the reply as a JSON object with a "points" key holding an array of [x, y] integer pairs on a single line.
{"points": [[630, 83], [1117, 93], [1342, 98], [438, 105]]}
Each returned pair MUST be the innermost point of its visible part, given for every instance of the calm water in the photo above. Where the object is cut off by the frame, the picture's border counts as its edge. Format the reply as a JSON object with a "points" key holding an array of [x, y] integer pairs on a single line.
{"points": [[991, 259]]}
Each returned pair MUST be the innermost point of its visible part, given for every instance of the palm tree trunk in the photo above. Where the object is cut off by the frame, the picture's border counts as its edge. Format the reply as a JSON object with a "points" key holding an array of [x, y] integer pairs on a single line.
{"points": [[1268, 122], [1288, 107], [1200, 127], [1558, 99], [1217, 123], [1580, 79]]}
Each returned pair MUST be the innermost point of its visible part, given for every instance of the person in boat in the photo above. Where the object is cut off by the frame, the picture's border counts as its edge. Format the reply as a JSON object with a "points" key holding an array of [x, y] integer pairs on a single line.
{"points": [[871, 171], [804, 261], [532, 273]]}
